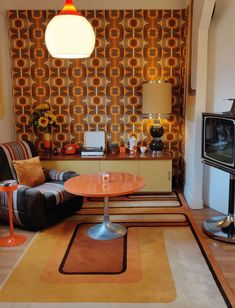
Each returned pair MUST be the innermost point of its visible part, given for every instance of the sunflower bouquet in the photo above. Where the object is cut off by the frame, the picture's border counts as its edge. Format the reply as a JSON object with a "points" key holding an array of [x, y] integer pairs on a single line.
{"points": [[43, 118]]}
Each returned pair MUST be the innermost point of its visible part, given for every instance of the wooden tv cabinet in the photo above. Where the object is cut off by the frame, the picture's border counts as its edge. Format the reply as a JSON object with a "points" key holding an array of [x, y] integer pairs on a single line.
{"points": [[157, 171]]}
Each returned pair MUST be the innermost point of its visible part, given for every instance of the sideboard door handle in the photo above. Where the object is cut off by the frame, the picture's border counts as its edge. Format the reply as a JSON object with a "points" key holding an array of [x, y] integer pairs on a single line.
{"points": [[169, 175]]}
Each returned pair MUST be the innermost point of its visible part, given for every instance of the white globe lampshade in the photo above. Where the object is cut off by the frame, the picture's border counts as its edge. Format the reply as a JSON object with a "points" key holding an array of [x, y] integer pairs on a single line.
{"points": [[69, 36]]}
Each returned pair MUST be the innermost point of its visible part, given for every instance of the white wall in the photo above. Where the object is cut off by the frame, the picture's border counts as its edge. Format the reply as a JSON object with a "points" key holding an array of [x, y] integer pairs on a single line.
{"points": [[197, 14], [6, 122], [221, 85], [205, 184], [194, 168]]}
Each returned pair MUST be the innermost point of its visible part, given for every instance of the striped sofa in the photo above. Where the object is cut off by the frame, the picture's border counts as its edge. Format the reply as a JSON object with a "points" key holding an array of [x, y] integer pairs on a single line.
{"points": [[35, 208]]}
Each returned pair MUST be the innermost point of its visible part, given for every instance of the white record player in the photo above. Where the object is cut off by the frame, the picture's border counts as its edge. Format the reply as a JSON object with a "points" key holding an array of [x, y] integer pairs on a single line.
{"points": [[94, 143]]}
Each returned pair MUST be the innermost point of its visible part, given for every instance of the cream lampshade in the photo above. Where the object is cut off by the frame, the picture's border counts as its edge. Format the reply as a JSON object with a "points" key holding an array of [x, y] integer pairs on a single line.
{"points": [[156, 101], [69, 35], [156, 98]]}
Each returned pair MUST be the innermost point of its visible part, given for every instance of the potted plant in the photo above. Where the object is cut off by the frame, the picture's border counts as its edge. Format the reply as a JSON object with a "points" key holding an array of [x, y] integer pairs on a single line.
{"points": [[113, 147]]}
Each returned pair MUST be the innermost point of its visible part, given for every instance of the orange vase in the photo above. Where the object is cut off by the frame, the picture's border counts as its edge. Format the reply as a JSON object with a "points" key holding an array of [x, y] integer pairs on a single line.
{"points": [[47, 141]]}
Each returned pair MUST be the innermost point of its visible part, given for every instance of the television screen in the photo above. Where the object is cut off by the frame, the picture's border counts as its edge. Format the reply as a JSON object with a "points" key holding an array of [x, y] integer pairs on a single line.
{"points": [[218, 139]]}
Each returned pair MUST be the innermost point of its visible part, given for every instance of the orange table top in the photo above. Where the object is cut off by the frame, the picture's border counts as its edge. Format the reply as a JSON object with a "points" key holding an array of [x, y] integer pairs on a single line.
{"points": [[10, 188], [94, 184]]}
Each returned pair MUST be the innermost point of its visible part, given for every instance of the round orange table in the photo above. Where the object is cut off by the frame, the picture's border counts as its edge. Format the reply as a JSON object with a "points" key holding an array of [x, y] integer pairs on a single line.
{"points": [[107, 184], [12, 239]]}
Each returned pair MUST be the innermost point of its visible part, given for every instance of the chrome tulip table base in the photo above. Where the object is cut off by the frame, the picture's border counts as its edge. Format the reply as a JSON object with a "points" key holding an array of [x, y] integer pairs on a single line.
{"points": [[223, 227], [106, 230]]}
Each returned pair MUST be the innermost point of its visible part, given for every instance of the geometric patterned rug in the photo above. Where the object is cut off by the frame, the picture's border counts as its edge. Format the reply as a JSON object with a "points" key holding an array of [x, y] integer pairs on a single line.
{"points": [[159, 264], [164, 267]]}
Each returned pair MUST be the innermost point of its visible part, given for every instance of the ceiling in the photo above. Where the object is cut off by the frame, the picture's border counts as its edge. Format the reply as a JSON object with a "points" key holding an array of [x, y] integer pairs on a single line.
{"points": [[94, 4]]}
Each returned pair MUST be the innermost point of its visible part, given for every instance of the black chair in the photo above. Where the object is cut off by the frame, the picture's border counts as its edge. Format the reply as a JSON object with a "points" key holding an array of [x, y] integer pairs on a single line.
{"points": [[35, 208]]}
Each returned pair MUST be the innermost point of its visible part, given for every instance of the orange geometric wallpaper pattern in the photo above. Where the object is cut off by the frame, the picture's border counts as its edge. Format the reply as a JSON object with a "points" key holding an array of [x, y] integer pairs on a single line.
{"points": [[103, 92]]}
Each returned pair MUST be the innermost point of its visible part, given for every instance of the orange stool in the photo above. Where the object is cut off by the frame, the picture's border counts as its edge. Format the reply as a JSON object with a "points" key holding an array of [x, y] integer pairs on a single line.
{"points": [[12, 239]]}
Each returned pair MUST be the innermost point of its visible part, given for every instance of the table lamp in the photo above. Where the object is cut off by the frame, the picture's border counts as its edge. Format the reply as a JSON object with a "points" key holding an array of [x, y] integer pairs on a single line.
{"points": [[156, 103]]}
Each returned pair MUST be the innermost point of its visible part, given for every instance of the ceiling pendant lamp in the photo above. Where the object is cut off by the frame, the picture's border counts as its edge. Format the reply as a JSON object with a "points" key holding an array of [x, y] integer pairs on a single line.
{"points": [[69, 35]]}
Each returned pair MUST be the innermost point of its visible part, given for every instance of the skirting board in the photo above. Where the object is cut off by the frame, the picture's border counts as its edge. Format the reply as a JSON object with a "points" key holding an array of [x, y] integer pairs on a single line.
{"points": [[194, 204]]}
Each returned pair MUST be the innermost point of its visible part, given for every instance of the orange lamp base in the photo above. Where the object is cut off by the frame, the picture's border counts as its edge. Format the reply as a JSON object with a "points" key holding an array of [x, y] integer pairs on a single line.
{"points": [[11, 241]]}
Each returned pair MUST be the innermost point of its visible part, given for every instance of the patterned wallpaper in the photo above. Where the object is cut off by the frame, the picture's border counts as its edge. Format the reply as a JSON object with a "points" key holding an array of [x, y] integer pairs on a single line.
{"points": [[103, 92]]}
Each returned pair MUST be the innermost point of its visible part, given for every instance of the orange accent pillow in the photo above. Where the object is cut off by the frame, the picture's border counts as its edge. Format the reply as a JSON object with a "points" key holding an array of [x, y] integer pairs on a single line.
{"points": [[29, 171]]}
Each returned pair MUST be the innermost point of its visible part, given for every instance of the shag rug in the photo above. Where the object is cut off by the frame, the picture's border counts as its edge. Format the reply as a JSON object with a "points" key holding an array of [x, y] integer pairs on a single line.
{"points": [[157, 264]]}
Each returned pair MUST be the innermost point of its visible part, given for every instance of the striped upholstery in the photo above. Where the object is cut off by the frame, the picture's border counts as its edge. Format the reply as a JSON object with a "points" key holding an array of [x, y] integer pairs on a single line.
{"points": [[52, 174], [54, 194], [57, 190], [16, 151], [34, 207]]}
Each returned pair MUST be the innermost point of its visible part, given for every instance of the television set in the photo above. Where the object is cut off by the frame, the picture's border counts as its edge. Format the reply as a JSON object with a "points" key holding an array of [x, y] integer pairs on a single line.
{"points": [[218, 133], [218, 151]]}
